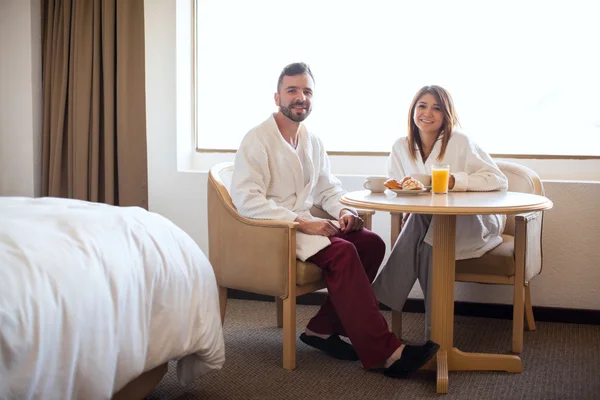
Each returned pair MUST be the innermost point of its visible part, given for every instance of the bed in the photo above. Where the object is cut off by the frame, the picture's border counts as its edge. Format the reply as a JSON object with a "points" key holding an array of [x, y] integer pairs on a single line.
{"points": [[95, 300]]}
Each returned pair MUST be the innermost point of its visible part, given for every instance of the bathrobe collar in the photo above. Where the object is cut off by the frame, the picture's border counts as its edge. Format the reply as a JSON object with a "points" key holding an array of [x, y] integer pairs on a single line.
{"points": [[291, 154], [425, 166]]}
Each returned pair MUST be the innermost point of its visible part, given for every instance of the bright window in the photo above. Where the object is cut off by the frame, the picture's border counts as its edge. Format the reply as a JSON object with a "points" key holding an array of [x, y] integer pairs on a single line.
{"points": [[524, 75]]}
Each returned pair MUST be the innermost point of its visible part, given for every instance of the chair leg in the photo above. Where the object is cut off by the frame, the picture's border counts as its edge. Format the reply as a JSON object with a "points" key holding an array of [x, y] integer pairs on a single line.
{"points": [[279, 305], [289, 333], [530, 322], [397, 323], [222, 302], [518, 316]]}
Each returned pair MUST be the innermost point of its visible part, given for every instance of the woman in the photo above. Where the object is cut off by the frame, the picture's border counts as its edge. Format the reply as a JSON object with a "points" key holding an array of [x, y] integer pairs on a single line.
{"points": [[432, 139]]}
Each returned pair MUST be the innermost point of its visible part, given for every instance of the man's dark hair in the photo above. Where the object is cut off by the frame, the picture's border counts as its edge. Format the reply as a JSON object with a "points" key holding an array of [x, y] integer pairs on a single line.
{"points": [[293, 69]]}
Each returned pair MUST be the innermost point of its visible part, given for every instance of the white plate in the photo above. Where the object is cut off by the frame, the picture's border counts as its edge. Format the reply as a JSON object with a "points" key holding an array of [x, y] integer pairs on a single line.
{"points": [[400, 192]]}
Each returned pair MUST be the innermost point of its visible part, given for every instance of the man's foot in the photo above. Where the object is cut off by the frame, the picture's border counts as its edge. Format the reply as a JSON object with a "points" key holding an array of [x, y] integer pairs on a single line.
{"points": [[333, 346], [413, 358]]}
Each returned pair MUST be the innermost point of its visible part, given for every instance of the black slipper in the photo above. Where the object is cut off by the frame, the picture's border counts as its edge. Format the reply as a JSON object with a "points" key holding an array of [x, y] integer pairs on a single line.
{"points": [[333, 346], [413, 358]]}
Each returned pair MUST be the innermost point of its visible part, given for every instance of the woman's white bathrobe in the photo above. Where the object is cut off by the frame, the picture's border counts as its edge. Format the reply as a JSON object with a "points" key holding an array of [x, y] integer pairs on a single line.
{"points": [[473, 170], [269, 181]]}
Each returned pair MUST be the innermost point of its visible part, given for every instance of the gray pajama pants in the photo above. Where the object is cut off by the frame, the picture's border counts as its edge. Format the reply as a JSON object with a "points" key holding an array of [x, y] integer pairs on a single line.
{"points": [[411, 259]]}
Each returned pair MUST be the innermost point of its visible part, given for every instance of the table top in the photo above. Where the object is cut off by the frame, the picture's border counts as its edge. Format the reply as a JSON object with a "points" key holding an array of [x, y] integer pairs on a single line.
{"points": [[453, 203]]}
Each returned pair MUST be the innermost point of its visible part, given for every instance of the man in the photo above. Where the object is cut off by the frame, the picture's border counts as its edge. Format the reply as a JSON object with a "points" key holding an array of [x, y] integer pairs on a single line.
{"points": [[281, 171]]}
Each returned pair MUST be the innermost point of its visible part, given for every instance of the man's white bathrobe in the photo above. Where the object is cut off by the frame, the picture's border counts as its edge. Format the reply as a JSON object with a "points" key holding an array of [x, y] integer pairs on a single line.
{"points": [[473, 170], [272, 180]]}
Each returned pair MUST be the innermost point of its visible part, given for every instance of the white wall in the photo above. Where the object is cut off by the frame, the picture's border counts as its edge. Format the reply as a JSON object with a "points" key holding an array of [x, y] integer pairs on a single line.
{"points": [[571, 275], [20, 98]]}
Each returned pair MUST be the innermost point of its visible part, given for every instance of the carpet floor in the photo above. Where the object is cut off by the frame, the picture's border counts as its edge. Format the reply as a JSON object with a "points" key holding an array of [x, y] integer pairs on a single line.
{"points": [[560, 361]]}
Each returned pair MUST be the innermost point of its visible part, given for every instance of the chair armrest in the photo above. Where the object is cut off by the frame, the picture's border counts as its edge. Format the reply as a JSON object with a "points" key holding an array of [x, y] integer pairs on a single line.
{"points": [[528, 237], [396, 226], [529, 216], [249, 254], [362, 212], [266, 223], [367, 217]]}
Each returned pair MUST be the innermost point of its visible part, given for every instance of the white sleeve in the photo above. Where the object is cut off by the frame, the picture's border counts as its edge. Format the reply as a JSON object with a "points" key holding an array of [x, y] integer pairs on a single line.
{"points": [[394, 163], [480, 173], [251, 177], [328, 190]]}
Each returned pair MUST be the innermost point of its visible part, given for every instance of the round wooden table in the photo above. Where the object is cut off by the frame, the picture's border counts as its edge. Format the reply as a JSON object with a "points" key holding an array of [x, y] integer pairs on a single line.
{"points": [[445, 208]]}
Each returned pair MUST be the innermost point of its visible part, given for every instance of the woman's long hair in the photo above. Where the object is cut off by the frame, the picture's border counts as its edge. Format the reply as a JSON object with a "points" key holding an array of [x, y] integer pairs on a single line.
{"points": [[450, 119]]}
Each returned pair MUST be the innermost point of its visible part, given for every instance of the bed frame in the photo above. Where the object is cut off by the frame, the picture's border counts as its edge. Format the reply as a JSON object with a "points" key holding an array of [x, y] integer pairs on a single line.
{"points": [[141, 386]]}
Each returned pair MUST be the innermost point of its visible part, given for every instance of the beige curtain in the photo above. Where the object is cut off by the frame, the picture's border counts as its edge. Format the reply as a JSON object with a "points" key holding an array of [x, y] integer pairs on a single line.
{"points": [[94, 111]]}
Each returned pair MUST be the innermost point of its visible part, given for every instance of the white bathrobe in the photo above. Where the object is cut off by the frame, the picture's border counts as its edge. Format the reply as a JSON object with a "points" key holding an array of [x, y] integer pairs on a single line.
{"points": [[272, 180], [473, 170]]}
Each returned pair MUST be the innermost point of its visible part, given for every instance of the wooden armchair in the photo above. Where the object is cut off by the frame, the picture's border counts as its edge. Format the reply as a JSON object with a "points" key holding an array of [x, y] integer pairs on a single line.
{"points": [[259, 256], [515, 262]]}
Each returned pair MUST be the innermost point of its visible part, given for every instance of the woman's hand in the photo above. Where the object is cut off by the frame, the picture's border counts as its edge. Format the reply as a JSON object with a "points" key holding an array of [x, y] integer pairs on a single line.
{"points": [[451, 182]]}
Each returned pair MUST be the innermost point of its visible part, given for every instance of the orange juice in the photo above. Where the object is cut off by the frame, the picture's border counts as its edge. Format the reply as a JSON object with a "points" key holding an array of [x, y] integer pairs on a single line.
{"points": [[439, 179]]}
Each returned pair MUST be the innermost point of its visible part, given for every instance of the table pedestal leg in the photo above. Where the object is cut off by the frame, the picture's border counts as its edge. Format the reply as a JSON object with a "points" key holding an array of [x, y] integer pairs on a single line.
{"points": [[442, 371], [462, 361], [449, 358], [442, 307]]}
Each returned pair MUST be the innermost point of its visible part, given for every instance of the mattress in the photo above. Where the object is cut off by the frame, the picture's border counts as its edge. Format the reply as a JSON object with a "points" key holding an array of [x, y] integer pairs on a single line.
{"points": [[93, 295]]}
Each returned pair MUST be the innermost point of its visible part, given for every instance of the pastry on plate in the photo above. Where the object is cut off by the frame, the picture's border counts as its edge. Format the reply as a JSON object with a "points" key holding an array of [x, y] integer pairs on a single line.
{"points": [[409, 183]]}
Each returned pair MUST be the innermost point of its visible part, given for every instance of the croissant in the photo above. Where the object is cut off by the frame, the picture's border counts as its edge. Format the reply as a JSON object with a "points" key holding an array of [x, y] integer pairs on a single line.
{"points": [[393, 184]]}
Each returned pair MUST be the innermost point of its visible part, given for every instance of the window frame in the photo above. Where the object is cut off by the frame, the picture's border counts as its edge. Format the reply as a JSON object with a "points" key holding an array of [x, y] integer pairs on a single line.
{"points": [[198, 149]]}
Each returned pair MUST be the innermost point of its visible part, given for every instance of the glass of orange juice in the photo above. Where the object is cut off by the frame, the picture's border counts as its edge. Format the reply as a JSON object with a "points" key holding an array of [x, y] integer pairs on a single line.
{"points": [[440, 176]]}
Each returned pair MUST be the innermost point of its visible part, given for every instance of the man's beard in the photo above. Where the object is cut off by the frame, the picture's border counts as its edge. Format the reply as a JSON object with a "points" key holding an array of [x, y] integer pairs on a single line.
{"points": [[289, 112]]}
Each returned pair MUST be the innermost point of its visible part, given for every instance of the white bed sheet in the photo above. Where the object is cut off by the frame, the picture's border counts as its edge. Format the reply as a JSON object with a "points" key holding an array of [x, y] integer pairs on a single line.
{"points": [[93, 295]]}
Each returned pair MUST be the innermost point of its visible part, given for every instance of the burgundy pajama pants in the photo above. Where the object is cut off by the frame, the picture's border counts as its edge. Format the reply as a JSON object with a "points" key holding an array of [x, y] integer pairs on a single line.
{"points": [[351, 309]]}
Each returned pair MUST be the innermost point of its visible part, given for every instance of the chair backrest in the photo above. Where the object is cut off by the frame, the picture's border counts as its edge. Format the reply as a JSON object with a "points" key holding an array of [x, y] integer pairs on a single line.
{"points": [[219, 204], [520, 179], [220, 175], [225, 174], [257, 266]]}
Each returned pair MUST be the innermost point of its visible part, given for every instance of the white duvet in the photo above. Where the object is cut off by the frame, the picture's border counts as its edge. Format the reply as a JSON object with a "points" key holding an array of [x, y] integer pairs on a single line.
{"points": [[93, 295]]}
